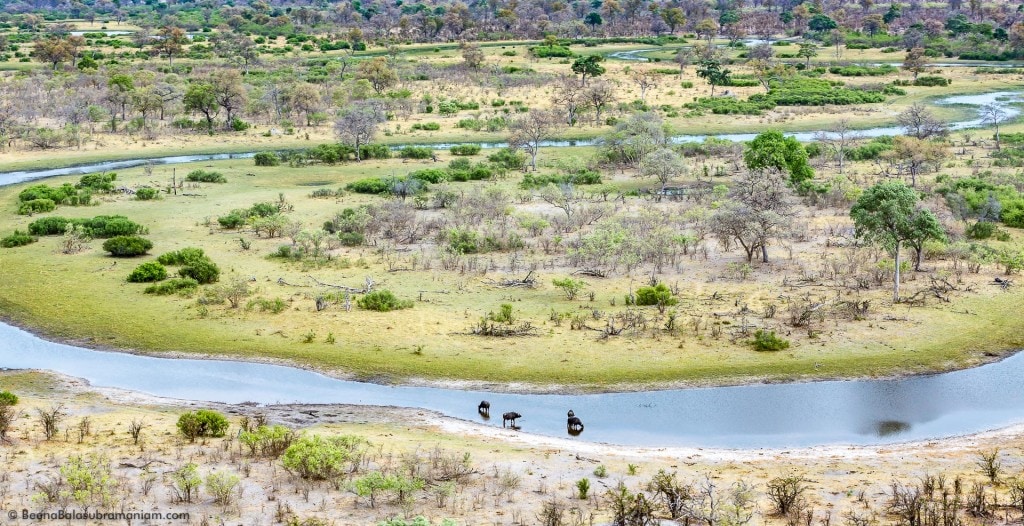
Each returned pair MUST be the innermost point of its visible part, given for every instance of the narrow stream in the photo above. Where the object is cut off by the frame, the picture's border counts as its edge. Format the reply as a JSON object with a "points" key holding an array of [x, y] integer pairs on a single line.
{"points": [[1003, 98]]}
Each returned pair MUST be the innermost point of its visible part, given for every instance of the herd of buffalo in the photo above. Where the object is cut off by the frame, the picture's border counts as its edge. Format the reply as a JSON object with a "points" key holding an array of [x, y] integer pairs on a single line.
{"points": [[573, 423]]}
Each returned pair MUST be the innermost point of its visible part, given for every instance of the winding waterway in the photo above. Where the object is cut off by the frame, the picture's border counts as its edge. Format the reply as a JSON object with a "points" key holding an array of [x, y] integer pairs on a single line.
{"points": [[762, 415], [1004, 98]]}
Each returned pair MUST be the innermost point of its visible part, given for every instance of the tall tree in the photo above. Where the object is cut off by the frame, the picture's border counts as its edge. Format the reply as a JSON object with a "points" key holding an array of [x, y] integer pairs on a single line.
{"points": [[713, 72], [170, 42], [588, 66], [530, 131], [915, 61], [357, 125], [201, 97], [886, 214], [771, 151], [663, 165], [378, 73]]}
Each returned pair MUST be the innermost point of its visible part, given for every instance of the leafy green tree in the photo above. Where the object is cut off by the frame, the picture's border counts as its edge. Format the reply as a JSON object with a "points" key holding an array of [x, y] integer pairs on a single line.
{"points": [[571, 287], [673, 18], [807, 51], [713, 72], [202, 423], [589, 66], [771, 150], [663, 164], [821, 23], [658, 295], [887, 214], [201, 97], [593, 19]]}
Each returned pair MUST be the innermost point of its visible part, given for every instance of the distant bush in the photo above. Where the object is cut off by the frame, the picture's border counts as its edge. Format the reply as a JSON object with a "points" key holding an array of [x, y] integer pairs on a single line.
{"points": [[508, 158], [203, 270], [202, 176], [181, 257], [551, 52], [99, 226], [932, 80], [148, 272], [8, 398], [147, 194], [231, 221], [370, 185], [870, 150], [127, 246], [767, 341], [36, 206], [65, 194], [267, 159], [173, 286], [98, 182], [426, 126], [320, 458], [465, 149], [982, 230], [382, 301], [202, 424], [374, 151], [17, 239], [415, 152], [267, 441], [657, 295], [430, 175], [862, 71]]}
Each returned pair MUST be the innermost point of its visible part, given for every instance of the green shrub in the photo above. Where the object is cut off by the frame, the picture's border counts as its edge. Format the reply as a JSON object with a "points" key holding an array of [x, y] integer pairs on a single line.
{"points": [[426, 126], [8, 398], [127, 246], [862, 71], [932, 80], [203, 270], [465, 149], [416, 152], [430, 175], [65, 194], [767, 341], [267, 159], [382, 301], [232, 221], [181, 257], [148, 272], [374, 151], [49, 226], [173, 286], [147, 194], [982, 230], [110, 226], [17, 239], [657, 295], [315, 457], [203, 423], [36, 206], [99, 182], [203, 176], [551, 52], [351, 239], [370, 185], [267, 441], [508, 158]]}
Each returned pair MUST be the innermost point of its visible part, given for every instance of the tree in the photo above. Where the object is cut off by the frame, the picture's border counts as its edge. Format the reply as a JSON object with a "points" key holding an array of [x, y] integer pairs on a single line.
{"points": [[771, 151], [707, 29], [915, 61], [663, 165], [920, 123], [993, 113], [593, 19], [598, 96], [472, 55], [378, 73], [634, 138], [839, 137], [915, 155], [746, 225], [171, 42], [886, 215], [588, 66], [807, 51], [53, 50], [821, 23], [645, 81], [528, 132], [228, 92], [713, 73], [924, 227], [236, 48], [305, 98], [673, 17], [683, 57], [201, 96], [570, 96], [570, 287], [357, 125]]}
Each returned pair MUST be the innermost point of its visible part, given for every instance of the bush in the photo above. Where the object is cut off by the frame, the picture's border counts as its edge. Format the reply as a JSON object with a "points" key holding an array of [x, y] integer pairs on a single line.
{"points": [[173, 286], [148, 272], [374, 151], [17, 239], [465, 149], [8, 398], [767, 341], [49, 226], [862, 71], [426, 126], [127, 246], [147, 194], [415, 152], [657, 295], [231, 221], [181, 257], [982, 230], [370, 185], [203, 423], [318, 458], [551, 52], [99, 182], [203, 270], [110, 226], [267, 441], [382, 301], [430, 175], [932, 80], [202, 176], [508, 158], [267, 159], [36, 206], [351, 239]]}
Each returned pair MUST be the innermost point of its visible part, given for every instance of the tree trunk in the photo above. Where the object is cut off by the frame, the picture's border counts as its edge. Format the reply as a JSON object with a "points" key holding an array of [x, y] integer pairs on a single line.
{"points": [[918, 250], [896, 276], [764, 253]]}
